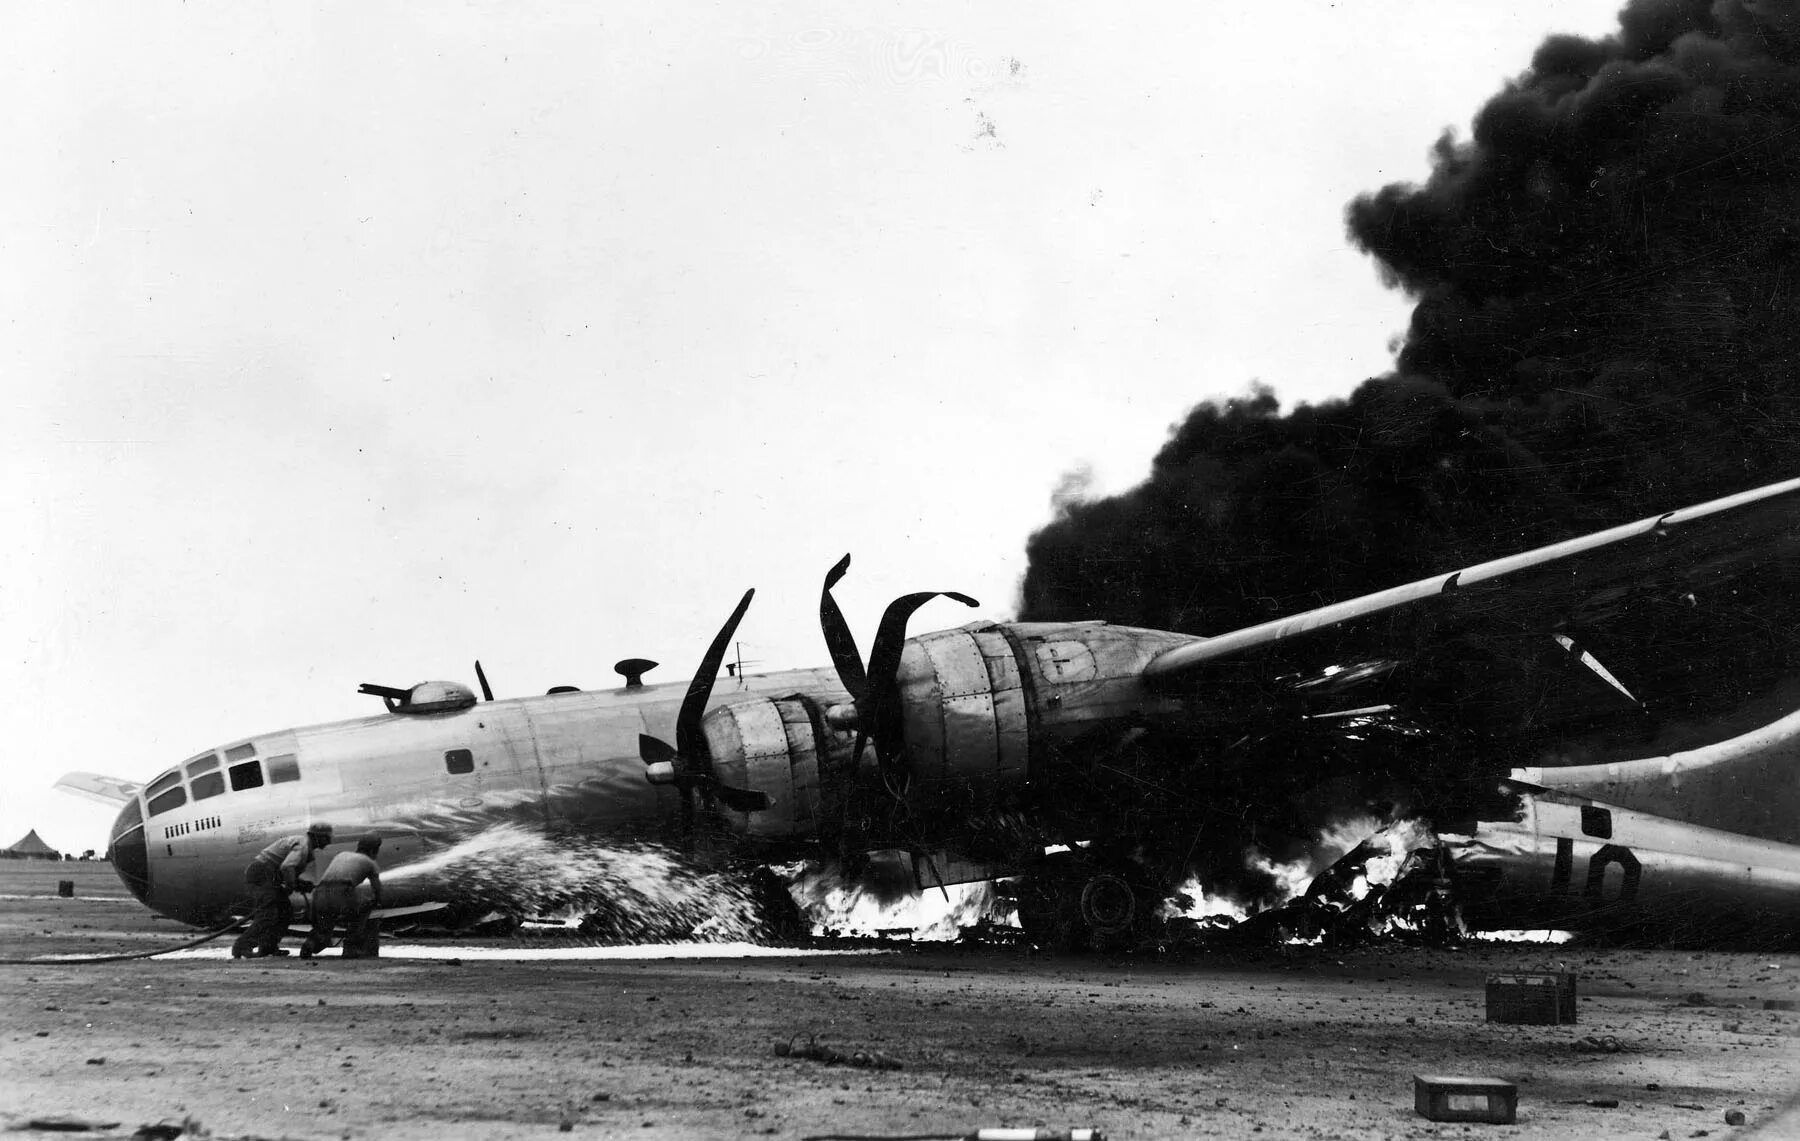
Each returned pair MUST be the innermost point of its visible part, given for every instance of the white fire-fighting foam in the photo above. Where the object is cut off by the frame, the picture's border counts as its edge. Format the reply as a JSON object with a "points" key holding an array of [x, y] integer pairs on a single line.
{"points": [[504, 953], [630, 892]]}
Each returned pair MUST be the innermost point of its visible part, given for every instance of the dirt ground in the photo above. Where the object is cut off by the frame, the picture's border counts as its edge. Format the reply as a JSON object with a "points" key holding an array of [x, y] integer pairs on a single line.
{"points": [[1299, 1042]]}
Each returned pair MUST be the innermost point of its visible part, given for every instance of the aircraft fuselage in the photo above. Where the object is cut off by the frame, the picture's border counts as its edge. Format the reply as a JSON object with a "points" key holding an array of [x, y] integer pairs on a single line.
{"points": [[987, 708], [558, 761]]}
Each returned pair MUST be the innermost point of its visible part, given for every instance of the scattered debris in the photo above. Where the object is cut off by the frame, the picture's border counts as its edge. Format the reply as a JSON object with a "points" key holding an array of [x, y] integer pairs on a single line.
{"points": [[68, 1125], [1603, 1044], [1735, 1117], [864, 1059]]}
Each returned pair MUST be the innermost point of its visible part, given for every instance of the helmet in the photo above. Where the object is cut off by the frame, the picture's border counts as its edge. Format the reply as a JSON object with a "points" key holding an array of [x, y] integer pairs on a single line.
{"points": [[323, 831], [369, 844]]}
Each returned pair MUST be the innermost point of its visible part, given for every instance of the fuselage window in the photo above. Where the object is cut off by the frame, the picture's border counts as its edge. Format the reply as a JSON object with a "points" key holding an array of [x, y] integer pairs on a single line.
{"points": [[246, 775], [210, 785], [240, 752], [168, 780], [204, 764], [283, 769], [459, 761], [173, 798]]}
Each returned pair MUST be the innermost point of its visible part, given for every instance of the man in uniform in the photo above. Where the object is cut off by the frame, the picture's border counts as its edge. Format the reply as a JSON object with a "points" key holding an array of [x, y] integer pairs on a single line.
{"points": [[271, 876], [336, 902]]}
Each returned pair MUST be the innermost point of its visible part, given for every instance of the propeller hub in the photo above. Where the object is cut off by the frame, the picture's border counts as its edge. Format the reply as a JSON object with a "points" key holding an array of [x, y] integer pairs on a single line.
{"points": [[841, 717], [661, 772]]}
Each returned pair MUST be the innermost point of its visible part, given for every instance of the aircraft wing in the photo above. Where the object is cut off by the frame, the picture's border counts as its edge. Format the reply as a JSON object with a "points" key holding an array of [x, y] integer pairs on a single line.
{"points": [[105, 789], [1657, 616], [1622, 542]]}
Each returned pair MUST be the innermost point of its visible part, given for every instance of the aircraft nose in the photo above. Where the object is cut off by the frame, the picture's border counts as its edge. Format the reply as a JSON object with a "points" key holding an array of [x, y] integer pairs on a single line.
{"points": [[129, 853]]}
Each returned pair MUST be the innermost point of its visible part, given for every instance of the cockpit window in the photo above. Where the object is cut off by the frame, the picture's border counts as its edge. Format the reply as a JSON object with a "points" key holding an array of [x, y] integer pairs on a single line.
{"points": [[240, 752], [129, 817], [173, 798], [209, 785], [246, 775], [204, 764], [283, 769], [167, 780]]}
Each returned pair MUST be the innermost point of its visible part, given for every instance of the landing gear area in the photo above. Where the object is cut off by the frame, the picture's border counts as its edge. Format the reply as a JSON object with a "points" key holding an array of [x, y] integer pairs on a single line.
{"points": [[1080, 901], [1076, 902]]}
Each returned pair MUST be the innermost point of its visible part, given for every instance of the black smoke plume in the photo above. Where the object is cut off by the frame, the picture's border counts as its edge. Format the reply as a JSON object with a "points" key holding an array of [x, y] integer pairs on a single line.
{"points": [[1607, 326]]}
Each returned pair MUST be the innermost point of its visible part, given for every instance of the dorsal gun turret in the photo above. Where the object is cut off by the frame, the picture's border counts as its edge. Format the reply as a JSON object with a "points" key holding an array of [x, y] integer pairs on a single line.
{"points": [[426, 697]]}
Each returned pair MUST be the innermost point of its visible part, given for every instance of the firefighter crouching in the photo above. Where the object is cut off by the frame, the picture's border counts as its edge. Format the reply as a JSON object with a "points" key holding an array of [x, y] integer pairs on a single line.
{"points": [[336, 902], [269, 878]]}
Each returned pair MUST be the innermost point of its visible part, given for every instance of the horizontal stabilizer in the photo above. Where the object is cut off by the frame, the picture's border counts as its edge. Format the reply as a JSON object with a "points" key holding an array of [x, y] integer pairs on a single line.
{"points": [[106, 790]]}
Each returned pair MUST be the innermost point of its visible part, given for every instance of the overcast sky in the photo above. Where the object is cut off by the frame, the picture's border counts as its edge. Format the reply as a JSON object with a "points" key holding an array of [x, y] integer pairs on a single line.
{"points": [[352, 343]]}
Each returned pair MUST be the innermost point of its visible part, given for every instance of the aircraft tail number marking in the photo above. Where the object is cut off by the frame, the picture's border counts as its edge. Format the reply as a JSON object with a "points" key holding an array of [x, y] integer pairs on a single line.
{"points": [[1605, 856]]}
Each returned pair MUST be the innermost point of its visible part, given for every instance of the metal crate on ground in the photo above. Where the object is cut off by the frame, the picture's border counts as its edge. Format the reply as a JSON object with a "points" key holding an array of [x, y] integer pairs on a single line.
{"points": [[1544, 998]]}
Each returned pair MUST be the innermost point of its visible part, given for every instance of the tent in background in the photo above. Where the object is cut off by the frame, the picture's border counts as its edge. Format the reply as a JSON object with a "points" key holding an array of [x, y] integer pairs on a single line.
{"points": [[31, 848]]}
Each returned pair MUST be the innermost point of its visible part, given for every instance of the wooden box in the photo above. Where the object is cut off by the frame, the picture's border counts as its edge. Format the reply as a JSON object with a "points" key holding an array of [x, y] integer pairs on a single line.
{"points": [[1538, 999], [1465, 1099]]}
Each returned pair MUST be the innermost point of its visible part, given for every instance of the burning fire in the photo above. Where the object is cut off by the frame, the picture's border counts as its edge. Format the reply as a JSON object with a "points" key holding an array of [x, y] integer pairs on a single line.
{"points": [[1292, 878], [833, 905]]}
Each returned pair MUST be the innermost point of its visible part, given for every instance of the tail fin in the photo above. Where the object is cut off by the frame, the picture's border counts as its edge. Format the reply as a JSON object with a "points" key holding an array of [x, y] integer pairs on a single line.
{"points": [[106, 790]]}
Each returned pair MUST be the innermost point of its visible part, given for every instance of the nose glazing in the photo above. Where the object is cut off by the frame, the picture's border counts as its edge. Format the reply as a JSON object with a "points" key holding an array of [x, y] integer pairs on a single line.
{"points": [[129, 853]]}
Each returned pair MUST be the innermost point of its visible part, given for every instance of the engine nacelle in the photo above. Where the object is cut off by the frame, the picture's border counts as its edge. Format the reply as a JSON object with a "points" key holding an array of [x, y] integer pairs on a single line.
{"points": [[986, 708], [989, 705], [780, 747]]}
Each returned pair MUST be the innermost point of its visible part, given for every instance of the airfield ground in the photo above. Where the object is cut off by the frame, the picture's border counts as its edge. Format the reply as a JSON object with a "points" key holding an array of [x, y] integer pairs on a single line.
{"points": [[1299, 1042]]}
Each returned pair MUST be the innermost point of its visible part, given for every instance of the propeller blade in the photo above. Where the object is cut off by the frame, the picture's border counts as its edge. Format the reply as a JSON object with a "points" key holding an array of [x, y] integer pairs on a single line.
{"points": [[654, 750], [838, 638], [487, 694], [884, 659], [882, 714], [690, 742], [659, 754]]}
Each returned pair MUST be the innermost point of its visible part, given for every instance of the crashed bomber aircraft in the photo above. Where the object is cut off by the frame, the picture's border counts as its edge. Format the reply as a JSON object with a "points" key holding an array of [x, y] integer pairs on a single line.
{"points": [[970, 751]]}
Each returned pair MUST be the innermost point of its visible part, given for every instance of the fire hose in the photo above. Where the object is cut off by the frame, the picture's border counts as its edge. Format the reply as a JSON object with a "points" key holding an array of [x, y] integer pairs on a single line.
{"points": [[300, 903], [79, 960], [981, 1134]]}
